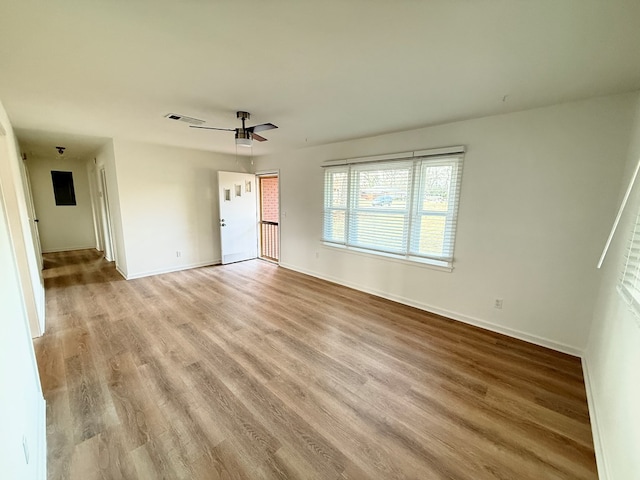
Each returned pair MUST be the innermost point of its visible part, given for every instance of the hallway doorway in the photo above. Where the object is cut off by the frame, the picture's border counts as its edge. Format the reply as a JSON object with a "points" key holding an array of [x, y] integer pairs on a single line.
{"points": [[269, 232]]}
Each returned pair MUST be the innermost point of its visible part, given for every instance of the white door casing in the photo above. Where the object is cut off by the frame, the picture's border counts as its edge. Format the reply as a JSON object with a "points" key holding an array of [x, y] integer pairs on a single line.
{"points": [[238, 216], [96, 206], [13, 191], [109, 250], [33, 217]]}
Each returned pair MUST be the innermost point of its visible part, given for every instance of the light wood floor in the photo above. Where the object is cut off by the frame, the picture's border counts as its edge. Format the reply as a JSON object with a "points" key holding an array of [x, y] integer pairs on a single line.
{"points": [[253, 371]]}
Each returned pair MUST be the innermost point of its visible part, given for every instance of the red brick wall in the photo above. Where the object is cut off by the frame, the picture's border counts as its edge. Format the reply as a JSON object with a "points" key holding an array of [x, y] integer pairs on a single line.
{"points": [[269, 194], [269, 245]]}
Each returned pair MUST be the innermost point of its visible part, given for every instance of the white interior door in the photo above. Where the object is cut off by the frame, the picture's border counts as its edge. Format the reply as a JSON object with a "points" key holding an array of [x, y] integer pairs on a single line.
{"points": [[238, 216]]}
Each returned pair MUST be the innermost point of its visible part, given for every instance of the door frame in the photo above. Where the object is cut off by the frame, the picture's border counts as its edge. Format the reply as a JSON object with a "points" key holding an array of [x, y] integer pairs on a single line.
{"points": [[107, 231], [269, 173], [13, 192], [96, 206], [33, 216], [246, 251]]}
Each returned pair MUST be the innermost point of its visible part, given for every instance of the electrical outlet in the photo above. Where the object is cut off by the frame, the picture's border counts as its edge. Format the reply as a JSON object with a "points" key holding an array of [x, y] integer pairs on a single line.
{"points": [[178, 253], [317, 254], [498, 304]]}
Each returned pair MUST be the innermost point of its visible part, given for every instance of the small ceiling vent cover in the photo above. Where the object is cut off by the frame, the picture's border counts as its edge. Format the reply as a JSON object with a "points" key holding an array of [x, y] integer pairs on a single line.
{"points": [[184, 118]]}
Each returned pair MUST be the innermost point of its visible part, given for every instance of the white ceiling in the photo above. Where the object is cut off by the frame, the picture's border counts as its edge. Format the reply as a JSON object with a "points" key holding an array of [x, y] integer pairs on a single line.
{"points": [[42, 144], [322, 71]]}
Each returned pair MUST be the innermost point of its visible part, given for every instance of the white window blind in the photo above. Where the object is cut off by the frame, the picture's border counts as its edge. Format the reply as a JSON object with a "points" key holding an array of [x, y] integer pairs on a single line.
{"points": [[630, 282], [379, 207], [336, 192], [405, 207]]}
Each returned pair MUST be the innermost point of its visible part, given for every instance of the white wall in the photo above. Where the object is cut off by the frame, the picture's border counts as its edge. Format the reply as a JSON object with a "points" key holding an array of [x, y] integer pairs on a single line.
{"points": [[21, 226], [169, 203], [538, 193], [612, 359], [62, 227], [22, 407]]}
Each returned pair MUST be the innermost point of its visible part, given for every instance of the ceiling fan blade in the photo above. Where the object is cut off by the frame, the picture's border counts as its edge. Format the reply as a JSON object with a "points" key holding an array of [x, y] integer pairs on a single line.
{"points": [[262, 127], [257, 137], [213, 128]]}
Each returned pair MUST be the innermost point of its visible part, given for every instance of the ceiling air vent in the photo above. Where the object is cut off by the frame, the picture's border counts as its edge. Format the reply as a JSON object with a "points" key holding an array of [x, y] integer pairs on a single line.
{"points": [[184, 118]]}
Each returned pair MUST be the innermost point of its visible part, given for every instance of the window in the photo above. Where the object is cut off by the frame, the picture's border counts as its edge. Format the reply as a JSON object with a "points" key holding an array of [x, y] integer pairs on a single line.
{"points": [[404, 207], [630, 282], [63, 190]]}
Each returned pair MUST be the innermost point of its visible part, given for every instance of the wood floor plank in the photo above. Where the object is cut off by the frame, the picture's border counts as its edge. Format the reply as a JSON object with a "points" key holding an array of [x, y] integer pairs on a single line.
{"points": [[283, 422], [252, 371]]}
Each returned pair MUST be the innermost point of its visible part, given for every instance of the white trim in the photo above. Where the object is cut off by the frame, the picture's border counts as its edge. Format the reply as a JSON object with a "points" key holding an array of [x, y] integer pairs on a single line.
{"points": [[381, 158], [266, 173], [441, 265], [432, 152], [41, 453], [598, 443], [69, 249], [42, 310], [121, 272], [527, 337], [372, 158], [169, 270]]}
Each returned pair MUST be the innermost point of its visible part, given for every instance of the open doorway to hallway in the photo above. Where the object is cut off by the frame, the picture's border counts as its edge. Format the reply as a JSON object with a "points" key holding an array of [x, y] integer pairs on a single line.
{"points": [[269, 232]]}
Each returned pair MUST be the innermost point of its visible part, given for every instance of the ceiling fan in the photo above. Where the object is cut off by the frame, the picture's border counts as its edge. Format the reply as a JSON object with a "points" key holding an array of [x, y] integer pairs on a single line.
{"points": [[244, 135]]}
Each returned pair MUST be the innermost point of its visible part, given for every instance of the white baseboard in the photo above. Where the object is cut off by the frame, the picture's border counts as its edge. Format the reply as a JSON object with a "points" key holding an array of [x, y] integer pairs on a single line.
{"points": [[69, 249], [170, 269], [120, 271], [603, 470], [527, 337]]}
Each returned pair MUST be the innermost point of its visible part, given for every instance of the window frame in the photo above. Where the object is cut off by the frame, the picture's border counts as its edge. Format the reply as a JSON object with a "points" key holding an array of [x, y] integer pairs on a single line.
{"points": [[332, 209], [417, 164], [64, 192]]}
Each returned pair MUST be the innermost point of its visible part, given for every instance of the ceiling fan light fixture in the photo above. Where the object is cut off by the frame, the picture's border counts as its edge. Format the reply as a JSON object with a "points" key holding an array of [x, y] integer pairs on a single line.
{"points": [[243, 138], [244, 142]]}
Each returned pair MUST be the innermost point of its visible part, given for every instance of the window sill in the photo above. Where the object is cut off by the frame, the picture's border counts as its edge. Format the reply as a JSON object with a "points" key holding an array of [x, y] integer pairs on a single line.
{"points": [[441, 266]]}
